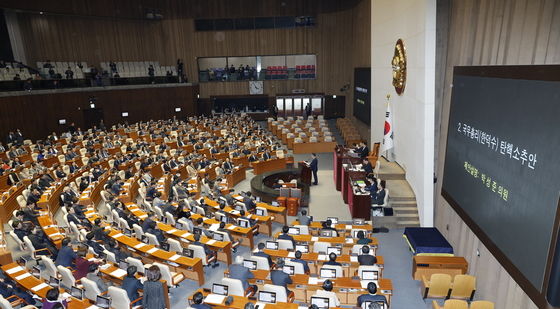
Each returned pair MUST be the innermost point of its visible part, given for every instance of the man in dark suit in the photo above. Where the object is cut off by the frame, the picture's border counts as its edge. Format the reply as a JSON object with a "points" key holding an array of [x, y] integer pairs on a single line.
{"points": [[327, 227], [249, 202], [303, 262], [261, 247], [240, 272], [365, 258], [33, 197], [66, 254], [372, 296], [253, 157], [266, 155], [378, 197], [314, 165], [279, 277], [131, 284], [97, 248], [207, 250], [286, 236], [40, 241], [304, 219], [18, 229], [332, 260], [366, 165]]}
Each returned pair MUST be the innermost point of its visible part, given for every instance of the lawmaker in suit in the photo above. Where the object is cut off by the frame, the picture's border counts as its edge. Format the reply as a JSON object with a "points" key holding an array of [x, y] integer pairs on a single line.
{"points": [[286, 236], [314, 165], [304, 219], [66, 254], [279, 277], [378, 197], [131, 284], [372, 296], [261, 247], [240, 272], [365, 258], [303, 262]]}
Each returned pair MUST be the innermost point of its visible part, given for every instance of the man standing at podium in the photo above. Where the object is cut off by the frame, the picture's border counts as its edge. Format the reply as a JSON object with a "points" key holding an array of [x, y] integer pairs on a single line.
{"points": [[314, 167]]}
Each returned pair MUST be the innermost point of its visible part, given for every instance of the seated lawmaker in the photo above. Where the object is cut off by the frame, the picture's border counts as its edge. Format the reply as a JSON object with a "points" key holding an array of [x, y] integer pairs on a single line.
{"points": [[327, 227], [362, 240], [287, 236], [261, 247], [298, 259], [304, 219], [197, 302], [365, 258], [66, 254], [372, 295], [332, 260], [327, 292], [131, 284], [240, 272], [279, 277]]}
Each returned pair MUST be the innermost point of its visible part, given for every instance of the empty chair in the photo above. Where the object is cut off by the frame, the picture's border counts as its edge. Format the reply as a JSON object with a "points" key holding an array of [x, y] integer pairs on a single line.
{"points": [[119, 298], [338, 268], [437, 287], [321, 247], [235, 286], [136, 262], [152, 239], [284, 244], [298, 267], [463, 287], [170, 218], [90, 289], [451, 304], [174, 245], [363, 268], [262, 263], [303, 229], [482, 304], [198, 252], [50, 269], [67, 277], [172, 278], [280, 291]]}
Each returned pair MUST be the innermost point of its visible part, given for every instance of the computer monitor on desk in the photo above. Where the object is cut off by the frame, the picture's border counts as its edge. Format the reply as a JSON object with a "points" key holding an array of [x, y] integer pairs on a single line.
{"points": [[243, 223], [320, 302], [335, 250], [259, 212], [334, 220], [366, 304], [293, 230], [123, 265], [77, 293], [302, 248], [327, 273], [267, 297], [252, 265], [188, 252], [103, 302], [219, 289], [54, 282], [272, 245], [370, 275], [288, 269]]}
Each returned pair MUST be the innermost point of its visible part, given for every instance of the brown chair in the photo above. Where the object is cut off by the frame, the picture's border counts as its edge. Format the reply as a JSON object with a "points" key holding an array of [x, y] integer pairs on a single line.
{"points": [[451, 304], [374, 154], [463, 287], [482, 304], [437, 287]]}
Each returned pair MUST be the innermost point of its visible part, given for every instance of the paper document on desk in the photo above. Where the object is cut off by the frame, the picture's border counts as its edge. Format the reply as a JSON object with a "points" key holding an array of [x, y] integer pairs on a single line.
{"points": [[231, 227], [21, 277], [186, 234], [14, 270], [315, 280], [171, 231], [239, 198], [118, 235], [291, 254], [140, 245], [152, 250], [174, 257], [39, 287], [214, 227], [118, 273], [211, 242], [314, 238], [322, 257], [349, 240], [234, 212], [353, 258], [214, 299], [348, 226], [144, 216]]}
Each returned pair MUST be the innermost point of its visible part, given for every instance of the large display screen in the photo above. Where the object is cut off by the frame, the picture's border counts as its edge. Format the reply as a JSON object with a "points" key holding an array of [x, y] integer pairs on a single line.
{"points": [[502, 165], [362, 94]]}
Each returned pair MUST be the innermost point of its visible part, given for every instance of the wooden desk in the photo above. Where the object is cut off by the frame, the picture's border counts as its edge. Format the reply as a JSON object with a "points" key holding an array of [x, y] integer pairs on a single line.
{"points": [[244, 235], [236, 176], [340, 240], [264, 222], [9, 201], [28, 282], [52, 230], [314, 147], [349, 263], [347, 289], [428, 265], [223, 248], [260, 167], [359, 203], [342, 229], [240, 301]]}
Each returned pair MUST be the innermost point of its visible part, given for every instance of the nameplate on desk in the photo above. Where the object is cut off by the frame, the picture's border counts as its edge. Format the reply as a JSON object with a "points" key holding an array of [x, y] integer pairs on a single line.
{"points": [[231, 227], [314, 238], [386, 292], [315, 280], [174, 257], [14, 270], [39, 287], [144, 216], [171, 231], [211, 242], [353, 258], [118, 273], [118, 235], [349, 240], [140, 245], [23, 276]]}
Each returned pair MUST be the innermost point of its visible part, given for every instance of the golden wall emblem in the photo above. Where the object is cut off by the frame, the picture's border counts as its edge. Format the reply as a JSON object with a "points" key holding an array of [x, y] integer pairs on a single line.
{"points": [[399, 67]]}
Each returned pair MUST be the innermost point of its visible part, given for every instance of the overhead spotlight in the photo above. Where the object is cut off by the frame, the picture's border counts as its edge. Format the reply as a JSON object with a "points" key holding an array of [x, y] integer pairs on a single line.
{"points": [[41, 12]]}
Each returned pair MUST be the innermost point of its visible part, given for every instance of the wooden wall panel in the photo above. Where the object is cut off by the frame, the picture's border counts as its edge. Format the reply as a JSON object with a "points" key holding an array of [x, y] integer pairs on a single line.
{"points": [[340, 40], [37, 115], [483, 32]]}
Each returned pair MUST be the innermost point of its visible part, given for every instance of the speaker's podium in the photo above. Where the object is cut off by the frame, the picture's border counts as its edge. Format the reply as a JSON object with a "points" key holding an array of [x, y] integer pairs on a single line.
{"points": [[305, 175]]}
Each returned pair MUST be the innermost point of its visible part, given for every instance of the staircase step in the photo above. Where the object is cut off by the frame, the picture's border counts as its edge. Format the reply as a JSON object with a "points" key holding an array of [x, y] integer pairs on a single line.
{"points": [[407, 215], [405, 210], [409, 223]]}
